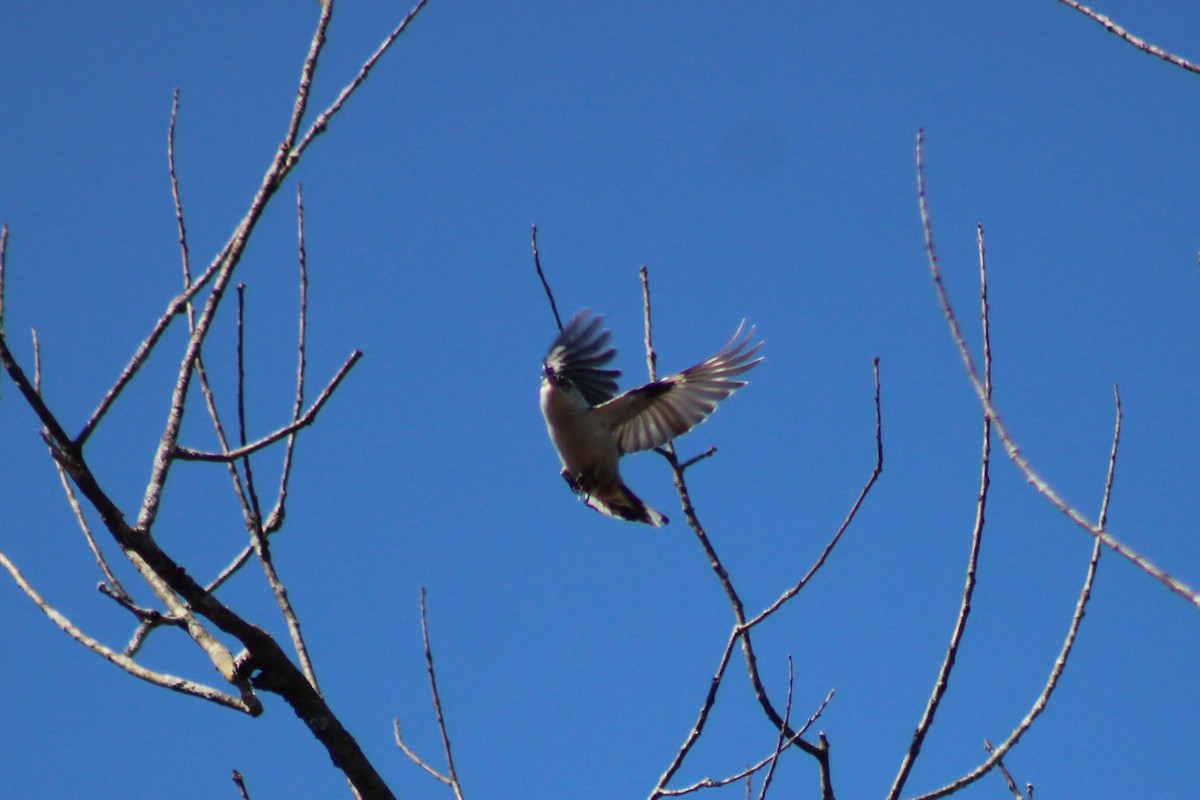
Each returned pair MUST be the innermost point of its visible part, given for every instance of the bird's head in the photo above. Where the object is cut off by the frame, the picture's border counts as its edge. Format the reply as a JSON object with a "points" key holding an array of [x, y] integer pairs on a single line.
{"points": [[557, 379]]}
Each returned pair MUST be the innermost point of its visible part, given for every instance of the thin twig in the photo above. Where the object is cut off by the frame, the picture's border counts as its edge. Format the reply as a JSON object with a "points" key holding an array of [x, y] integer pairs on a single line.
{"points": [[279, 512], [710, 700], [3, 259], [322, 121], [77, 510], [537, 263], [1014, 452], [241, 785], [711, 451], [779, 743], [231, 569], [233, 251], [150, 615], [735, 601], [437, 702], [1060, 663], [713, 783], [184, 255], [964, 610], [177, 306], [117, 589], [309, 417], [262, 549], [876, 471], [241, 407], [1140, 44], [451, 776], [175, 684], [205, 387], [1008, 778], [253, 513], [651, 356], [412, 755]]}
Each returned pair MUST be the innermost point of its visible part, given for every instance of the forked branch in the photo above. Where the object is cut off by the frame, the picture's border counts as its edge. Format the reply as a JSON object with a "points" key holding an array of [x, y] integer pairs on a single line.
{"points": [[450, 778]]}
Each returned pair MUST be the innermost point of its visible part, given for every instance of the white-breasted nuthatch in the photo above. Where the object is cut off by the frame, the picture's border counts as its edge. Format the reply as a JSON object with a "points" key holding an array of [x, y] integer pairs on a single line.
{"points": [[591, 426]]}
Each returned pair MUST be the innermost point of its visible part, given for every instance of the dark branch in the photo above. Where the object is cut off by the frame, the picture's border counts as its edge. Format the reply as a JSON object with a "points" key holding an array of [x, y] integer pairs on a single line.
{"points": [[537, 263]]}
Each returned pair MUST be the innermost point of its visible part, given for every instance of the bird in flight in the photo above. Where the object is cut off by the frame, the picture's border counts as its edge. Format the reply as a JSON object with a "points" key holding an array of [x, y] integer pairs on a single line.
{"points": [[591, 426]]}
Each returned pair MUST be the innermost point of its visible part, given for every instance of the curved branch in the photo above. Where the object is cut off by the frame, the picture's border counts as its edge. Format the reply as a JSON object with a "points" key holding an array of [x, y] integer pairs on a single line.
{"points": [[1121, 33], [1014, 452], [537, 263], [246, 704], [964, 610], [1060, 663], [837, 536]]}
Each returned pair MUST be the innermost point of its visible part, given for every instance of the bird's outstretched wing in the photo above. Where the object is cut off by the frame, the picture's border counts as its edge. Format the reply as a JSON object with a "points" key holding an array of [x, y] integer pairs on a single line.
{"points": [[578, 354], [651, 415]]}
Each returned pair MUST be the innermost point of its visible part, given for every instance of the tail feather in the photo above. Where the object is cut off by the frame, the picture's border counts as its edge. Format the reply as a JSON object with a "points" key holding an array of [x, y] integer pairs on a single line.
{"points": [[621, 503]]}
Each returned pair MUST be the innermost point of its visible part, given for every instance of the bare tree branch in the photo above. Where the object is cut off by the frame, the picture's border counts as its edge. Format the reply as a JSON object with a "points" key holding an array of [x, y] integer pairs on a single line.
{"points": [[240, 782], [279, 512], [709, 453], [779, 742], [651, 356], [1140, 44], [140, 550], [451, 776], [537, 263], [73, 501], [262, 664], [253, 513], [713, 783], [233, 251], [735, 601], [964, 610], [1061, 662], [309, 417], [710, 700], [184, 255], [3, 258], [1008, 778], [837, 536], [1014, 452], [1085, 592], [322, 121], [175, 684]]}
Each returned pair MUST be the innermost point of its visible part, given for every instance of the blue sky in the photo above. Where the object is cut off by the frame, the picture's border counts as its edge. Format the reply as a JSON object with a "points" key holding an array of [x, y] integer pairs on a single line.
{"points": [[759, 159]]}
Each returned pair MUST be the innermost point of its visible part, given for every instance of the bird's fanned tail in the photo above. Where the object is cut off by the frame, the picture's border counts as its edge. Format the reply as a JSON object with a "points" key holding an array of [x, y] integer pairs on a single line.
{"points": [[621, 503]]}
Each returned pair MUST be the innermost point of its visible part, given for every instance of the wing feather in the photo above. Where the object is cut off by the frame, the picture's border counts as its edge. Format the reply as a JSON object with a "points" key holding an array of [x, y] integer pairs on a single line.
{"points": [[651, 415], [578, 355]]}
